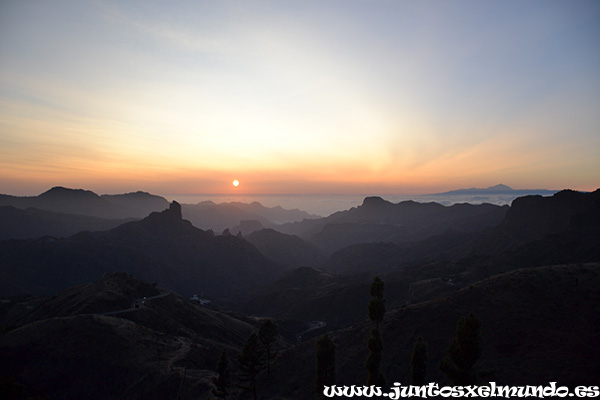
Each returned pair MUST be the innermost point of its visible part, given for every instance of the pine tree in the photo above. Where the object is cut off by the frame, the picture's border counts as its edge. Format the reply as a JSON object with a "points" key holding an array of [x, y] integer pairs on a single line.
{"points": [[418, 363], [221, 381], [375, 343], [463, 352], [267, 333], [325, 364], [251, 361], [377, 302]]}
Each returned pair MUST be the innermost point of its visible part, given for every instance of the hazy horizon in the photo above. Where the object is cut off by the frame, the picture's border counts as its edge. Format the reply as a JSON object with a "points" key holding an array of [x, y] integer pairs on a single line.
{"points": [[324, 204], [362, 96]]}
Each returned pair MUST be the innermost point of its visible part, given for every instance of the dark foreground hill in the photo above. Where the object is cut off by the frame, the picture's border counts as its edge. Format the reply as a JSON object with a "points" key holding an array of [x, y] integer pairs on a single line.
{"points": [[78, 345], [161, 248], [538, 325], [310, 294]]}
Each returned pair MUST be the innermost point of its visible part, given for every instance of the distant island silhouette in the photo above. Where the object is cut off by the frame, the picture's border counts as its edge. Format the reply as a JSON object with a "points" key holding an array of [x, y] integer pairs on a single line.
{"points": [[497, 189]]}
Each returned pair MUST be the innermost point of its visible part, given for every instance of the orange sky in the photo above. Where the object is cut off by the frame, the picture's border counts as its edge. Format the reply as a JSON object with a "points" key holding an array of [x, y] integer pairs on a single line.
{"points": [[309, 97]]}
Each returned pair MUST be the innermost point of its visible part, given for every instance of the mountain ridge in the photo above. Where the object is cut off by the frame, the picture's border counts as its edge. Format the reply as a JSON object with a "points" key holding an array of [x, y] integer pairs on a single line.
{"points": [[78, 207], [31, 223], [64, 347], [532, 277], [547, 340], [161, 247], [378, 220], [85, 202]]}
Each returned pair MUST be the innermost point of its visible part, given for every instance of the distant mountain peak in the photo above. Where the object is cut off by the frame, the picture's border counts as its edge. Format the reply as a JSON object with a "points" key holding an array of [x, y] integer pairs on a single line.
{"points": [[63, 191], [374, 201], [175, 210], [499, 187], [166, 219]]}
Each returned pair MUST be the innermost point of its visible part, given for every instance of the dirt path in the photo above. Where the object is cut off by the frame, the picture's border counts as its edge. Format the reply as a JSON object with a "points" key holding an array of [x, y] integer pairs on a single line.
{"points": [[182, 352]]}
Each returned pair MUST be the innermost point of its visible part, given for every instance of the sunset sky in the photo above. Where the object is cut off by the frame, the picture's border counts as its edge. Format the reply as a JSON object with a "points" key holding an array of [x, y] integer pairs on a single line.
{"points": [[371, 96]]}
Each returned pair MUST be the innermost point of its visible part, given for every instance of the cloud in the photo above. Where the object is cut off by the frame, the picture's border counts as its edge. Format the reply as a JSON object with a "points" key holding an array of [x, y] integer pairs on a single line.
{"points": [[178, 25]]}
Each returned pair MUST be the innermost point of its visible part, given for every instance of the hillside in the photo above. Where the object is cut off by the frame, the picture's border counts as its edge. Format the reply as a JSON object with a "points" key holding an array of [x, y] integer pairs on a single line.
{"points": [[114, 291], [33, 223], [535, 217], [218, 217], [287, 250], [538, 323], [441, 264], [64, 347], [535, 230], [161, 248], [533, 278], [378, 220], [307, 294], [543, 317]]}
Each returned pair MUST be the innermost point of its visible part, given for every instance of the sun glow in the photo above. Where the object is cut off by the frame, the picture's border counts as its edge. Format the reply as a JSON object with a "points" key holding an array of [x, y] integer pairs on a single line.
{"points": [[287, 96]]}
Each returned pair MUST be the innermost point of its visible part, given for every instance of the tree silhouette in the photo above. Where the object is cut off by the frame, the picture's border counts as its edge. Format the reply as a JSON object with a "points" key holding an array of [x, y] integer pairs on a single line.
{"points": [[251, 361], [267, 333], [221, 381], [375, 343], [463, 352], [377, 302], [418, 363], [325, 364]]}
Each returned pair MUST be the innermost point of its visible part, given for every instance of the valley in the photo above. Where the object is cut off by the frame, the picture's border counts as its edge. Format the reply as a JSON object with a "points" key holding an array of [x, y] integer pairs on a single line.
{"points": [[121, 304]]}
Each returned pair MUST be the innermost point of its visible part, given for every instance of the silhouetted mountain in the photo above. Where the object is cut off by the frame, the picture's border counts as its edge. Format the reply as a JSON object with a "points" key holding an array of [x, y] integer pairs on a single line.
{"points": [[247, 227], [538, 320], [563, 228], [63, 347], [34, 223], [378, 220], [277, 215], [138, 204], [536, 221], [218, 217], [160, 248], [533, 217], [536, 323], [498, 189], [447, 262], [287, 250], [85, 202]]}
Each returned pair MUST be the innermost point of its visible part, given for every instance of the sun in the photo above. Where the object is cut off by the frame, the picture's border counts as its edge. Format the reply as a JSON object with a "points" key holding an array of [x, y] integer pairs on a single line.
{"points": [[236, 183]]}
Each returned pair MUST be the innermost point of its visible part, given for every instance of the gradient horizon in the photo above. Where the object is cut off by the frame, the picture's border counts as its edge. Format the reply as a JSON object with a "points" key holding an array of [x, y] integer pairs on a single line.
{"points": [[371, 96]]}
